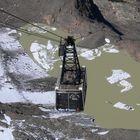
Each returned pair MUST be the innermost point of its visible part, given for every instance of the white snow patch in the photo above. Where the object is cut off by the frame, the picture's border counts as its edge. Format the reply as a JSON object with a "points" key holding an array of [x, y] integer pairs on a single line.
{"points": [[21, 64], [12, 32], [138, 104], [40, 98], [121, 105], [8, 119], [8, 42], [13, 96], [107, 40], [44, 109], [103, 133], [44, 54], [89, 54], [10, 95], [1, 68], [127, 86], [6, 134], [53, 29], [110, 49], [38, 30], [118, 75], [94, 130], [58, 115], [36, 47]]}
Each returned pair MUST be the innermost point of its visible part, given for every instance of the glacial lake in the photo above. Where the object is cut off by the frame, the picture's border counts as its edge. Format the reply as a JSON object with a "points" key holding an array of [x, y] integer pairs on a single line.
{"points": [[113, 94]]}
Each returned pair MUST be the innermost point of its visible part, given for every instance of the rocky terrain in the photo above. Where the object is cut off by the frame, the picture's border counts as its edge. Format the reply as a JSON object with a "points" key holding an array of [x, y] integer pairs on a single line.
{"points": [[117, 19], [112, 18]]}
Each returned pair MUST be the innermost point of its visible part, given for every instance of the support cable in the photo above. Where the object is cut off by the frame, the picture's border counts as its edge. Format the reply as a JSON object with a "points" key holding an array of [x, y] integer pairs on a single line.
{"points": [[26, 21], [26, 31]]}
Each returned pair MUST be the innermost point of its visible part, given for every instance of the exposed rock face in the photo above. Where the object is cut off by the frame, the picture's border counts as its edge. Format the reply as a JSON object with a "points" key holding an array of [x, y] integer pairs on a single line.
{"points": [[115, 19], [29, 122]]}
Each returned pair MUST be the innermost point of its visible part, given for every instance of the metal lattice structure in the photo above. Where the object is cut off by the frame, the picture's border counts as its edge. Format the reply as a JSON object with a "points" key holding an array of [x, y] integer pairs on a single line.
{"points": [[72, 82], [71, 71]]}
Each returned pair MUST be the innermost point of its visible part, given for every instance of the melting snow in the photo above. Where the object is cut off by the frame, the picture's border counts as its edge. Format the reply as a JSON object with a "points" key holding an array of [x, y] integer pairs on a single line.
{"points": [[59, 114], [118, 75], [38, 30], [127, 86], [102, 133], [21, 63], [121, 105], [44, 54], [108, 48], [44, 109], [10, 95], [8, 42], [92, 54], [13, 96], [107, 40], [6, 134], [53, 29], [7, 119], [88, 55], [94, 130], [42, 31]]}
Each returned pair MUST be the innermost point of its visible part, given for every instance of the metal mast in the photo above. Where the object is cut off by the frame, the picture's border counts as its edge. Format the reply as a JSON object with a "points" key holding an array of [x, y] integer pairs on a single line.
{"points": [[71, 71]]}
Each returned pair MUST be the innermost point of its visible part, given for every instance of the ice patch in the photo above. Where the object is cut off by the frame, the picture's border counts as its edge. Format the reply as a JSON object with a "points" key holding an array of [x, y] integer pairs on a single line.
{"points": [[10, 95], [6, 134], [103, 133], [40, 98], [38, 30], [123, 106], [127, 86], [59, 114], [110, 49], [94, 130], [7, 119], [89, 54], [12, 32], [118, 75], [49, 46], [45, 55], [107, 40], [53, 29], [1, 68], [8, 42], [21, 63], [44, 109], [36, 47], [13, 96]]}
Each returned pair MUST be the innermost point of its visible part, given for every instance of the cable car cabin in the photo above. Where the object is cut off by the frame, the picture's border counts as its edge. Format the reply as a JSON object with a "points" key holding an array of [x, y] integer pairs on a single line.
{"points": [[71, 96], [72, 82]]}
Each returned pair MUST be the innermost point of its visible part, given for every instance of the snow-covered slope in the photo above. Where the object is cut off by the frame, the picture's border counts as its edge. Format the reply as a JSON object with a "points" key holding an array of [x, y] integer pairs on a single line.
{"points": [[14, 65]]}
